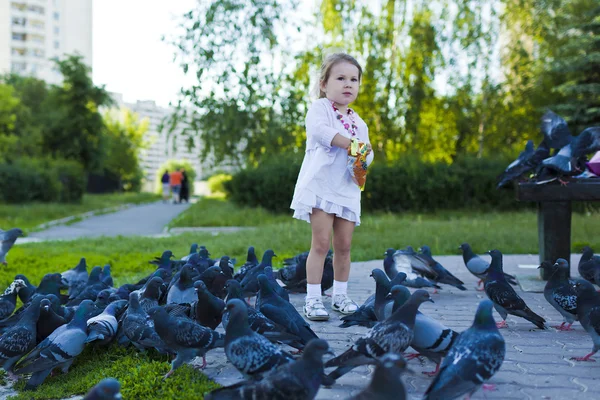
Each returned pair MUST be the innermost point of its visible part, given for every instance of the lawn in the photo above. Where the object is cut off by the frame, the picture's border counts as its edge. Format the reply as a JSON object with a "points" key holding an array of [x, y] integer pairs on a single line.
{"points": [[28, 216], [510, 232]]}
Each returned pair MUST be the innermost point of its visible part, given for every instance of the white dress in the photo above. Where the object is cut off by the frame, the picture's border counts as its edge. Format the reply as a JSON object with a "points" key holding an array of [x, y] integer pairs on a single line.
{"points": [[324, 181]]}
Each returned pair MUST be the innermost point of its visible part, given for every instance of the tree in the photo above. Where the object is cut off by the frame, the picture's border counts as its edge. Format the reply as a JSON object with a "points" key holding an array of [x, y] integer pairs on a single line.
{"points": [[125, 138], [75, 128], [8, 107]]}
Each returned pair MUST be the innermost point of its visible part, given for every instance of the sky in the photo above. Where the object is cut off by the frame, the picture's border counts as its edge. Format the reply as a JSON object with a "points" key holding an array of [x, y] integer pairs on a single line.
{"points": [[128, 54]]}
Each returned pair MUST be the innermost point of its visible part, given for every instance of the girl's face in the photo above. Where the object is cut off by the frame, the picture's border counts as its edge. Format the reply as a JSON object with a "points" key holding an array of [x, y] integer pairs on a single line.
{"points": [[342, 85]]}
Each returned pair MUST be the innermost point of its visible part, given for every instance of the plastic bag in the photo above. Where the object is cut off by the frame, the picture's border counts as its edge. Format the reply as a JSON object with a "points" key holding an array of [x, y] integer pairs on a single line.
{"points": [[357, 162]]}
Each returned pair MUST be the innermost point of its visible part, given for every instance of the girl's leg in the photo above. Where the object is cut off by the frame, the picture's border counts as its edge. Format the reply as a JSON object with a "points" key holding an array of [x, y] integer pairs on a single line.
{"points": [[322, 225], [342, 242]]}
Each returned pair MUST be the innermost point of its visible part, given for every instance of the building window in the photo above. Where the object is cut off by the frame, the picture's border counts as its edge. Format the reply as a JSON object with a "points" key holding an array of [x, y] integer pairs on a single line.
{"points": [[18, 67], [56, 16], [19, 36], [18, 52], [56, 30], [37, 24], [36, 9], [19, 6], [39, 53], [37, 39], [56, 45], [19, 21]]}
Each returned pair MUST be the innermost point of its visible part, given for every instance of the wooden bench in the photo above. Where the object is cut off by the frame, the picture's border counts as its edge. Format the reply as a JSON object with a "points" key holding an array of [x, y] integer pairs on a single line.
{"points": [[554, 214]]}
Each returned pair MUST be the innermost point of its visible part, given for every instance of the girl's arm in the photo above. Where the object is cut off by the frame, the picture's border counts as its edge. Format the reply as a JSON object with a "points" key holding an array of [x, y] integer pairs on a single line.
{"points": [[317, 127]]}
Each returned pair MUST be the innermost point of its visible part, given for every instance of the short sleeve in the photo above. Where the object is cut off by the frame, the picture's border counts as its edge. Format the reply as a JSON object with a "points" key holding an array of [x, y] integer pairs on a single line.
{"points": [[317, 125]]}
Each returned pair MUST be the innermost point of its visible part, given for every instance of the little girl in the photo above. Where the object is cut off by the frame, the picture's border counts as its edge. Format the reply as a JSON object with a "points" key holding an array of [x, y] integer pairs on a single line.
{"points": [[325, 194]]}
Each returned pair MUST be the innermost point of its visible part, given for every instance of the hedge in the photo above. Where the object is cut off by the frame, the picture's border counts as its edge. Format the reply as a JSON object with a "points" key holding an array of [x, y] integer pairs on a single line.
{"points": [[44, 180], [408, 185]]}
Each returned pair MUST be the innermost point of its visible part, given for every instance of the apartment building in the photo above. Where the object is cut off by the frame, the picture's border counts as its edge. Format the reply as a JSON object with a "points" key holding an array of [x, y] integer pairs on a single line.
{"points": [[32, 32]]}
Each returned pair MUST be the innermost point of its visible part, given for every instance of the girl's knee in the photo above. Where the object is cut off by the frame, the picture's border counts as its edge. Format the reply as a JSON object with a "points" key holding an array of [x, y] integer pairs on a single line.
{"points": [[319, 247], [342, 249]]}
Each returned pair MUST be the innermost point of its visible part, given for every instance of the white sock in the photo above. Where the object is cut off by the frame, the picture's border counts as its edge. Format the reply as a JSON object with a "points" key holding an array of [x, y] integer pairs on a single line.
{"points": [[339, 287], [313, 291]]}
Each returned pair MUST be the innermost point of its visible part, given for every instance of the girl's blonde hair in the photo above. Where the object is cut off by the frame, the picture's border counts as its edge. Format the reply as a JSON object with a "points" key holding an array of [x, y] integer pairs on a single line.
{"points": [[328, 63]]}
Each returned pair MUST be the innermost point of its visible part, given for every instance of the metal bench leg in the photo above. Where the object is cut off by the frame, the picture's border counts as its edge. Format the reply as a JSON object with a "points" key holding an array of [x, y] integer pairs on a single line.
{"points": [[554, 232]]}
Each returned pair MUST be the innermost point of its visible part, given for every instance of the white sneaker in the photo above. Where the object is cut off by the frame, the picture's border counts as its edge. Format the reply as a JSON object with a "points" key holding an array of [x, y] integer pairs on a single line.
{"points": [[314, 309], [342, 303]]}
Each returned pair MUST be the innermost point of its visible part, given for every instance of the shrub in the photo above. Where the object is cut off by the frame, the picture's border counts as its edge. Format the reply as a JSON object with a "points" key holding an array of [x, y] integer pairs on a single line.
{"points": [[45, 180], [216, 184], [408, 185]]}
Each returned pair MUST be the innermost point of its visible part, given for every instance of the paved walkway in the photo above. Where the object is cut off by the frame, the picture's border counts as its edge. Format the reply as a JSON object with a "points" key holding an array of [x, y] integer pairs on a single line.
{"points": [[146, 220], [537, 363]]}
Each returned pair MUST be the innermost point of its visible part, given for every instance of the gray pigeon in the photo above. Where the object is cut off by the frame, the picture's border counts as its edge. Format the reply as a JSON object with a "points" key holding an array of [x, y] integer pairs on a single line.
{"points": [[107, 389], [386, 383], [103, 328], [405, 261], [506, 300], [193, 250], [57, 350], [182, 290], [555, 130], [299, 380], [589, 265], [21, 338], [587, 142], [248, 351], [8, 301], [560, 293], [76, 277], [187, 338], [478, 266], [208, 307], [431, 339], [392, 335], [7, 240], [588, 313], [475, 357], [138, 328], [443, 275]]}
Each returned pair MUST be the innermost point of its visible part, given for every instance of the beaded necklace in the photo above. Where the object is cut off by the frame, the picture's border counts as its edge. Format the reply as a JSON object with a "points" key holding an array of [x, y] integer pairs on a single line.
{"points": [[350, 127]]}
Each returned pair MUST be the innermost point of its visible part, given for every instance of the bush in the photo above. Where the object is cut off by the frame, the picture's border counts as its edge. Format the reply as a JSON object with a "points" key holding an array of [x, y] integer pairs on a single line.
{"points": [[409, 185], [170, 166], [216, 184], [44, 180]]}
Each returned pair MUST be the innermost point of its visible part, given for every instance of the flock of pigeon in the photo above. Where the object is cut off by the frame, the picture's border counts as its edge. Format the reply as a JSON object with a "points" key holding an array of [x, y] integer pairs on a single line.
{"points": [[178, 307], [569, 158]]}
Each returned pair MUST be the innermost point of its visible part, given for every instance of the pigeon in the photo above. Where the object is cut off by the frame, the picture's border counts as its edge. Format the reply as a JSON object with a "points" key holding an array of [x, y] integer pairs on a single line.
{"points": [[249, 352], [7, 240], [76, 277], [564, 163], [475, 357], [406, 261], [106, 276], [443, 275], [506, 300], [527, 165], [215, 280], [560, 293], [187, 338], [282, 312], [102, 328], [8, 301], [25, 293], [392, 335], [588, 314], [386, 383], [138, 328], [182, 289], [193, 250], [20, 338], [382, 306], [587, 142], [52, 284], [251, 262], [515, 168], [431, 339], [91, 289], [107, 389], [48, 321], [227, 267], [478, 266], [555, 130], [151, 295], [258, 322], [57, 350], [250, 283], [281, 292], [293, 274], [299, 380], [589, 264], [209, 308]]}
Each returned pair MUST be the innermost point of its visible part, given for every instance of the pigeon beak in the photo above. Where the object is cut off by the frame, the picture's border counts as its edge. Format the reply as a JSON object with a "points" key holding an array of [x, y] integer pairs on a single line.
{"points": [[46, 308], [118, 396], [556, 265], [540, 267], [330, 352], [431, 300]]}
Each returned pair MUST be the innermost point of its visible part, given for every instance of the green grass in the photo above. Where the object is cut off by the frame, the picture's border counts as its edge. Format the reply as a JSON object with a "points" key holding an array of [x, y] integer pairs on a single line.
{"points": [[28, 216], [141, 374]]}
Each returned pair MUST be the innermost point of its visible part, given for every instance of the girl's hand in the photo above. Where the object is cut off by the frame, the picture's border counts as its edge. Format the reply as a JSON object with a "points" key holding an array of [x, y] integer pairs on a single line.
{"points": [[369, 148]]}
